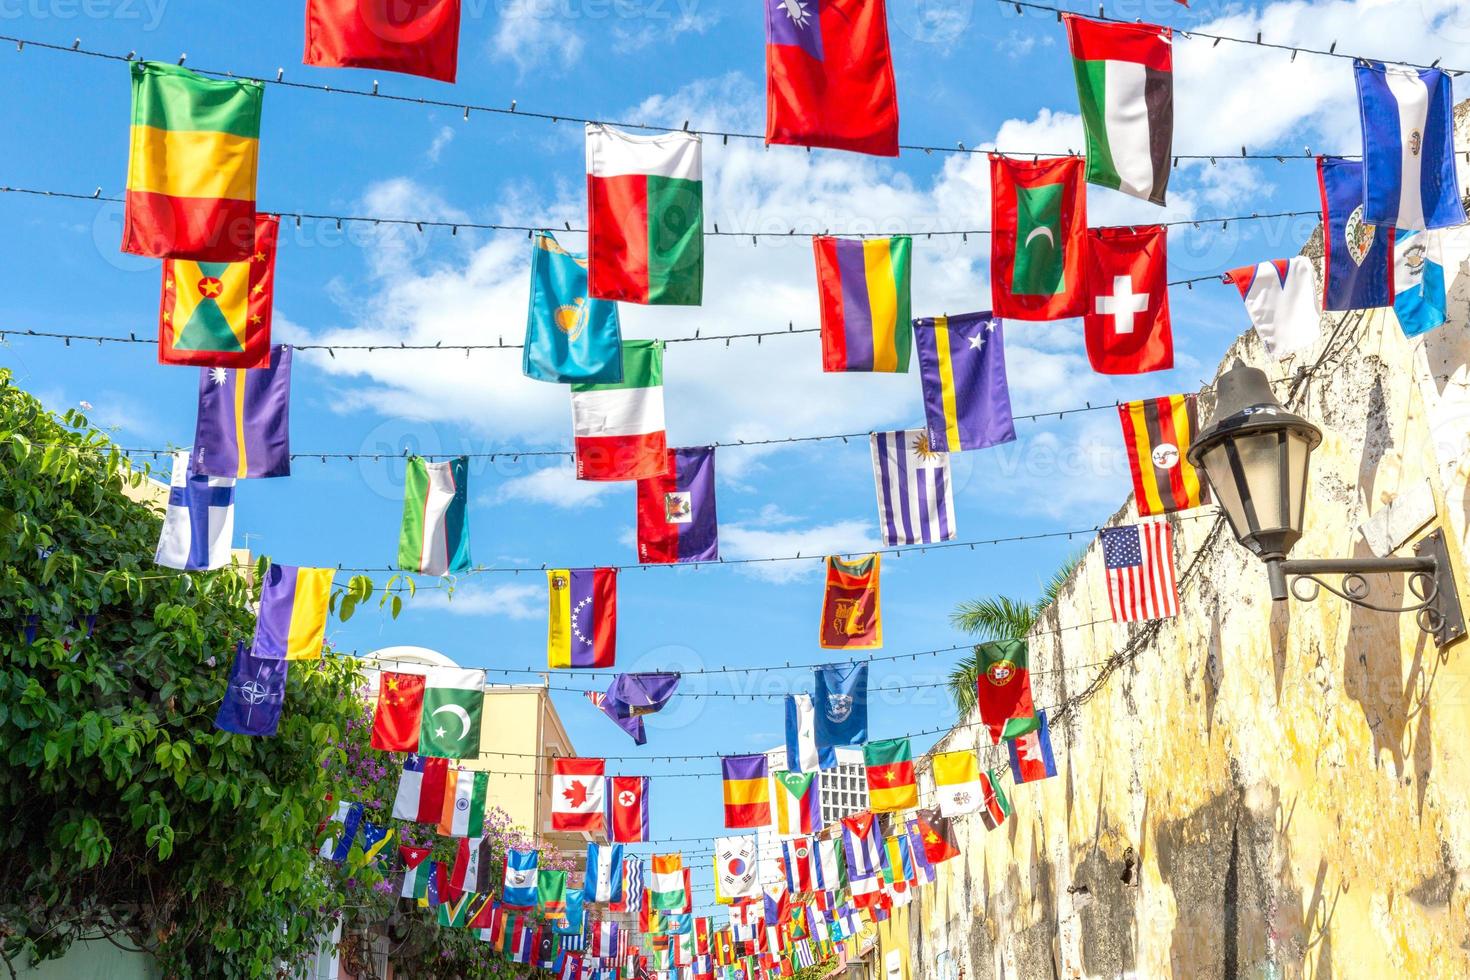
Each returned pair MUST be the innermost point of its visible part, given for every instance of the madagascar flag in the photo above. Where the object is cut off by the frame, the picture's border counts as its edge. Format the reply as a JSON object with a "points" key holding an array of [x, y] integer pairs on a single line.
{"points": [[1003, 688], [191, 166], [865, 303], [890, 767]]}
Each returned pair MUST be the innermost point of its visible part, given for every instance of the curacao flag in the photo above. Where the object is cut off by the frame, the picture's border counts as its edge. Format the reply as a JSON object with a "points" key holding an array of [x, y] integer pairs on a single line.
{"points": [[645, 217], [435, 539], [1409, 176], [864, 287], [191, 165], [292, 621], [619, 427]]}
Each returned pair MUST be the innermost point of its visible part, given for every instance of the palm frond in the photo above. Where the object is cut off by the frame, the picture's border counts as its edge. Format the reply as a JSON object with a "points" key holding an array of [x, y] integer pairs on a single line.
{"points": [[994, 617]]}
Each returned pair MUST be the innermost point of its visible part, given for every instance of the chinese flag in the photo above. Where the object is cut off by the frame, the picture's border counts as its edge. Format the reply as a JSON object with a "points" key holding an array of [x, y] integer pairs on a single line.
{"points": [[829, 76], [415, 37], [396, 721], [1127, 318]]}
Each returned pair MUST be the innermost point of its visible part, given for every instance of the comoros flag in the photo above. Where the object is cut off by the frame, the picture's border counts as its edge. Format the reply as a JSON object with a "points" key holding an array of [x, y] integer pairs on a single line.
{"points": [[676, 510]]}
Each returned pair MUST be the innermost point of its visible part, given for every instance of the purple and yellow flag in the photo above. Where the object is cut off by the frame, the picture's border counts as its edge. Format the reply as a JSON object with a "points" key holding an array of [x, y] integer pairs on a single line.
{"points": [[865, 303], [962, 364], [292, 622], [243, 427]]}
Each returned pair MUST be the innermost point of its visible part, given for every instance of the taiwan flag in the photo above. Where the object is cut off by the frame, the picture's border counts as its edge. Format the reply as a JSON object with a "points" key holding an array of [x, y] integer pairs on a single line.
{"points": [[829, 76]]}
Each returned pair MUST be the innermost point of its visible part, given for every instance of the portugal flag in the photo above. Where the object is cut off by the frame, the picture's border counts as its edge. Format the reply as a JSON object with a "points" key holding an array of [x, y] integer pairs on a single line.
{"points": [[1003, 692], [829, 76], [1038, 222], [418, 38]]}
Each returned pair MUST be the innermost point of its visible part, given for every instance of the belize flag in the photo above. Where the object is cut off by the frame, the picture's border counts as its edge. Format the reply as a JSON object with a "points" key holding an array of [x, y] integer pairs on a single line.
{"points": [[676, 510], [570, 337], [1408, 147], [1357, 256], [829, 76]]}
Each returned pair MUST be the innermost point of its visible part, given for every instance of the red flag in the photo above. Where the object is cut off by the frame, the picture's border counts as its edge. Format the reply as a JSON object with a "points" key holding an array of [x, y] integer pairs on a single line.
{"points": [[1127, 319], [851, 618], [1038, 222], [396, 720], [829, 76], [577, 787], [627, 808], [420, 38]]}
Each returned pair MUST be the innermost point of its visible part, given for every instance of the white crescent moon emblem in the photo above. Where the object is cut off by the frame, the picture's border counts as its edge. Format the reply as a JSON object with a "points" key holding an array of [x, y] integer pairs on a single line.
{"points": [[1040, 230], [458, 712]]}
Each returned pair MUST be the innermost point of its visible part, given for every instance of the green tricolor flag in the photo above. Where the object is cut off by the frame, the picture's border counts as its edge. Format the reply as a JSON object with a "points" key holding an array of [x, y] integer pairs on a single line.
{"points": [[454, 699], [435, 539], [619, 428], [551, 893]]}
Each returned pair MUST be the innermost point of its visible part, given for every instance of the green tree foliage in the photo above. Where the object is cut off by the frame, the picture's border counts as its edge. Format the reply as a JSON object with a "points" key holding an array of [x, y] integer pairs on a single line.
{"points": [[124, 811]]}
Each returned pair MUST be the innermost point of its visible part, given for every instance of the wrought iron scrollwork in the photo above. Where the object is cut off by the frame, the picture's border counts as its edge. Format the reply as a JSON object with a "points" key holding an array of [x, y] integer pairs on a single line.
{"points": [[1354, 588]]}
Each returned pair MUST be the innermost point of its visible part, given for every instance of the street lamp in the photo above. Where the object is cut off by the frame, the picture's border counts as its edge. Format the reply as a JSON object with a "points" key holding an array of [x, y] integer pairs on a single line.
{"points": [[1255, 454]]}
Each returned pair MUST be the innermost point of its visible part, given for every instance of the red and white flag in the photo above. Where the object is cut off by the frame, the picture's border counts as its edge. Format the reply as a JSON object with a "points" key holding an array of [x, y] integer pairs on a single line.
{"points": [[577, 794], [627, 809], [1140, 568], [1282, 300], [1127, 318]]}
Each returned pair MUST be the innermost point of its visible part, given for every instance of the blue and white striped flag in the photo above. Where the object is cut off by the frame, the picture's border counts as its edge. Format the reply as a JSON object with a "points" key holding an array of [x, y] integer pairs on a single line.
{"points": [[633, 882], [1408, 147], [801, 734], [915, 492], [199, 521], [604, 875]]}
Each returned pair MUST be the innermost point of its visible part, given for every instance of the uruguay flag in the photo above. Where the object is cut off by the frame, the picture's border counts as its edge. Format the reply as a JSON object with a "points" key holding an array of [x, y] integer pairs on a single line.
{"points": [[1408, 147], [200, 520], [1418, 277]]}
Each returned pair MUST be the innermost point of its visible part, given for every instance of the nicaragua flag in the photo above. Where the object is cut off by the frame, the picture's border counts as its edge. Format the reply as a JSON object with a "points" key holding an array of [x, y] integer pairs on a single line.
{"points": [[1418, 278], [604, 877], [200, 520], [1408, 147], [521, 870]]}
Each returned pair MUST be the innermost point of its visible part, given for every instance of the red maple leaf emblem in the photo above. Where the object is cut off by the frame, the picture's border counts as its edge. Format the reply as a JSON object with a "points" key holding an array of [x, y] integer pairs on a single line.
{"points": [[576, 794]]}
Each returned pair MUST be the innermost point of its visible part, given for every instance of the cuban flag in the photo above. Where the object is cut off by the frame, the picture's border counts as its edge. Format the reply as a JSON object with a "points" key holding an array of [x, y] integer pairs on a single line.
{"points": [[200, 520], [604, 877], [1408, 147]]}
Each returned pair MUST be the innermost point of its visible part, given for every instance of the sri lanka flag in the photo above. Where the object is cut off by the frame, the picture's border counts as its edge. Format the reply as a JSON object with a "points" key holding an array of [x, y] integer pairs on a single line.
{"points": [[676, 510], [191, 165], [829, 76], [582, 627], [292, 622], [864, 287], [218, 314], [645, 204], [243, 427]]}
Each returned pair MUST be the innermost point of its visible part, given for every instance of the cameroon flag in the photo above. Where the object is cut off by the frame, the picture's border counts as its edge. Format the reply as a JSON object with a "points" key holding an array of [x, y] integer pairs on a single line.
{"points": [[192, 165], [218, 314]]}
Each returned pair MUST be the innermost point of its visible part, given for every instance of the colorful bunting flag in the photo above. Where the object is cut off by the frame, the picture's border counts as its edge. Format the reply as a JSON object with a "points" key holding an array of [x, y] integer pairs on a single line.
{"points": [[841, 705], [915, 492], [996, 806], [577, 788], [602, 881], [338, 845], [415, 868], [851, 615], [1281, 300], [1357, 257], [1140, 571], [199, 520], [471, 869], [737, 872], [292, 621], [1127, 324], [1003, 688], [1038, 238], [435, 539], [254, 693], [419, 39], [957, 781], [551, 893], [1158, 434], [582, 626], [802, 753], [192, 165], [801, 873], [864, 287], [798, 803], [627, 809], [829, 76], [747, 790], [890, 771], [645, 202], [677, 521], [1409, 178], [454, 700], [937, 833], [570, 337], [962, 364], [466, 797], [243, 425], [619, 426], [519, 888], [1031, 756], [399, 708], [218, 314], [831, 869], [421, 789]]}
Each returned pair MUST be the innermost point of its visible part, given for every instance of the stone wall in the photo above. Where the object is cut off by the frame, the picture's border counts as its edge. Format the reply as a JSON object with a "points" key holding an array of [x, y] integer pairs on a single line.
{"points": [[1254, 788]]}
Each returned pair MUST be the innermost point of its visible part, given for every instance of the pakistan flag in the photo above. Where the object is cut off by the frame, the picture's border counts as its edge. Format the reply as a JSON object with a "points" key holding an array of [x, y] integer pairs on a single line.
{"points": [[449, 727]]}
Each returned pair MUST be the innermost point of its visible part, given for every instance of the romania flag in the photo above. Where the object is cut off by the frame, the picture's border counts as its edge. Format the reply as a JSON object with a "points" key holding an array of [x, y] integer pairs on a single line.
{"points": [[747, 790], [865, 303], [192, 165], [891, 783], [1157, 432], [218, 314]]}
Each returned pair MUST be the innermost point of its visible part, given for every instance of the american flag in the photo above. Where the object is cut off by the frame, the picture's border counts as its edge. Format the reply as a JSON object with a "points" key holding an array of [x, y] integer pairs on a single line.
{"points": [[1140, 563]]}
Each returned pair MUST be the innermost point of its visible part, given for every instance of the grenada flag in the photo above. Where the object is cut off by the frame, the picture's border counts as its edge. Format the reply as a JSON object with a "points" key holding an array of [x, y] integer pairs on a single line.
{"points": [[645, 215], [192, 164]]}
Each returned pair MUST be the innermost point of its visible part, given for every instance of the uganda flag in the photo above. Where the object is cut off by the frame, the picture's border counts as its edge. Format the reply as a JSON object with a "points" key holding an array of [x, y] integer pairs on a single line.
{"points": [[1157, 433], [191, 165], [218, 314]]}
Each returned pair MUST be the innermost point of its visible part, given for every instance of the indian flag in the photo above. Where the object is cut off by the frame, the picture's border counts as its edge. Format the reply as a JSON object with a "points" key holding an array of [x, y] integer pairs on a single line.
{"points": [[619, 428], [465, 796], [192, 165], [1125, 85], [645, 202], [666, 882]]}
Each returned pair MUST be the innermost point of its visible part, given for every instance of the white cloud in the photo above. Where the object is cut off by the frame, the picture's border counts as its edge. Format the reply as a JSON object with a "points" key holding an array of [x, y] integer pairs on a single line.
{"points": [[661, 25], [531, 34], [754, 540], [512, 601], [557, 486], [443, 138]]}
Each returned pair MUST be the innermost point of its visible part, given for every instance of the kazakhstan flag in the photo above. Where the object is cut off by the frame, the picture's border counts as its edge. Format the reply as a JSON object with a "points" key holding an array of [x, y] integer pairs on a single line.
{"points": [[570, 337]]}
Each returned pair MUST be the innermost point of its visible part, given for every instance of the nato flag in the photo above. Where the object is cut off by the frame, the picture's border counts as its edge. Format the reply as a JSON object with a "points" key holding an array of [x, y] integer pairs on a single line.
{"points": [[253, 696]]}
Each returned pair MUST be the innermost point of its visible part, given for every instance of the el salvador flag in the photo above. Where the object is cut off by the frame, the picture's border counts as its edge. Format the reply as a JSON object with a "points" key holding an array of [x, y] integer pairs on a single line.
{"points": [[1408, 147]]}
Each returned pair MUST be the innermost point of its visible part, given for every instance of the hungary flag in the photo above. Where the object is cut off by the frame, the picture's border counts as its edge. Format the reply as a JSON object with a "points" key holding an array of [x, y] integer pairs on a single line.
{"points": [[645, 204], [619, 427], [1125, 84], [449, 727]]}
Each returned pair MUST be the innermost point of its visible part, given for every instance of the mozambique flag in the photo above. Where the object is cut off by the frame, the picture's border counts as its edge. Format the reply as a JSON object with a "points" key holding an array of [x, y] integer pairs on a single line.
{"points": [[891, 784], [1157, 433], [218, 314], [192, 165]]}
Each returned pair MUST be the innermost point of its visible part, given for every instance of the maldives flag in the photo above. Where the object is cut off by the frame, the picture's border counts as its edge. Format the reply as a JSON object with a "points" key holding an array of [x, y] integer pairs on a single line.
{"points": [[577, 787], [1127, 319], [1038, 238], [676, 511], [418, 38], [627, 809], [829, 76], [619, 428], [645, 215]]}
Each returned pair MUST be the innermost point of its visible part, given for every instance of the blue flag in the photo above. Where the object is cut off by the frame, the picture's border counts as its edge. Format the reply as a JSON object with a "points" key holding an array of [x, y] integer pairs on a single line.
{"points": [[603, 880], [349, 815], [521, 874], [841, 704], [1408, 147], [1357, 257], [1418, 282], [570, 337], [253, 695], [571, 924]]}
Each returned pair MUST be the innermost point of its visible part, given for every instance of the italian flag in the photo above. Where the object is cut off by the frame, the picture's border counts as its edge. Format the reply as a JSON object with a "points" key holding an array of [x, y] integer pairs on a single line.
{"points": [[645, 203], [1125, 85], [619, 427]]}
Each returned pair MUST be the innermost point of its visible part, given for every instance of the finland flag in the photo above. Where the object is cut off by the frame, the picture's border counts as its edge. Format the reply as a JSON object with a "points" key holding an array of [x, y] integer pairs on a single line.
{"points": [[199, 521], [1408, 147]]}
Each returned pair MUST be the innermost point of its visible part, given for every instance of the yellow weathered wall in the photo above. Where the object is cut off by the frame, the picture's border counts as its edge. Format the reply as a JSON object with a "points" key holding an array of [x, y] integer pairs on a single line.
{"points": [[510, 725], [1292, 778]]}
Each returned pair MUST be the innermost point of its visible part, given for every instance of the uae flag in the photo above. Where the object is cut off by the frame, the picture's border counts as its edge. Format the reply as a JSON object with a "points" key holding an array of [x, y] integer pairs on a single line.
{"points": [[420, 38], [1127, 320], [645, 203], [1038, 238], [676, 510], [619, 427], [1125, 85], [1003, 692]]}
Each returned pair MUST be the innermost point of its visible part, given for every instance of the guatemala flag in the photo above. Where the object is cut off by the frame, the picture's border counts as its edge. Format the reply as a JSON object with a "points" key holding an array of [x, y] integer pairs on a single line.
{"points": [[200, 520], [1408, 147], [1418, 278]]}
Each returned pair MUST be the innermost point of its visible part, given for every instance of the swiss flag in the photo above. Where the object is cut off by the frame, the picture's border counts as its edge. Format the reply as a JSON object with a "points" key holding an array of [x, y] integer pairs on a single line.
{"points": [[576, 794], [415, 37], [1127, 319]]}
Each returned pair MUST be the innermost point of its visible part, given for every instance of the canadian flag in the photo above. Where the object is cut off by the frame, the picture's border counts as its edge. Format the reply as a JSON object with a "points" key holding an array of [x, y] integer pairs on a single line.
{"points": [[577, 787], [1127, 318]]}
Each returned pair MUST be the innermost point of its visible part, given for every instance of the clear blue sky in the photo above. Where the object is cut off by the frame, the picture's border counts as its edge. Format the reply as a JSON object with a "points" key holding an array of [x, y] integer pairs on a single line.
{"points": [[968, 71]]}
